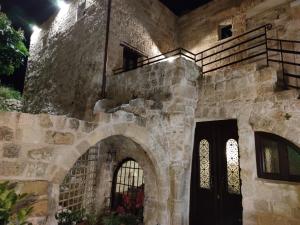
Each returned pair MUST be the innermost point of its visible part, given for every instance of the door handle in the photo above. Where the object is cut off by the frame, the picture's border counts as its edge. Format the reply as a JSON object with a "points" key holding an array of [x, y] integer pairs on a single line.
{"points": [[218, 196]]}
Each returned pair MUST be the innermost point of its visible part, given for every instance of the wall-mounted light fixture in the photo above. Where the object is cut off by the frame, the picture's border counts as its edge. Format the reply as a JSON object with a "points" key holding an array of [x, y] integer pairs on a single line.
{"points": [[62, 4], [35, 28]]}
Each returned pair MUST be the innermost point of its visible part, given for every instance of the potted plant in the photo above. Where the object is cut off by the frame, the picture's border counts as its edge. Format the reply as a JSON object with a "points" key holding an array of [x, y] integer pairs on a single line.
{"points": [[129, 212], [77, 217]]}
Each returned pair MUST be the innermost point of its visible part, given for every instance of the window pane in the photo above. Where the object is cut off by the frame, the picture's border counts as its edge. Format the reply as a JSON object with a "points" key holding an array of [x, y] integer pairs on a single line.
{"points": [[233, 167], [294, 161], [204, 164], [270, 156]]}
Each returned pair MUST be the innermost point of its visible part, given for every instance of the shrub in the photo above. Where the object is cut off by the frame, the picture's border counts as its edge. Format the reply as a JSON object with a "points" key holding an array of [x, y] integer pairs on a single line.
{"points": [[13, 51], [9, 93], [14, 208]]}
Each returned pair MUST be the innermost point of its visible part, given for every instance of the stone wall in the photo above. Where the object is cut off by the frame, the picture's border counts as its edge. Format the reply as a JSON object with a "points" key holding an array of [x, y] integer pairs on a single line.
{"points": [[158, 136], [66, 57], [247, 94], [153, 82], [199, 28], [65, 67]]}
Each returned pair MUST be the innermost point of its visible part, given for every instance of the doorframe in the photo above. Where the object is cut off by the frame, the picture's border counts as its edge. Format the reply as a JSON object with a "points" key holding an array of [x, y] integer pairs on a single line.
{"points": [[212, 119]]}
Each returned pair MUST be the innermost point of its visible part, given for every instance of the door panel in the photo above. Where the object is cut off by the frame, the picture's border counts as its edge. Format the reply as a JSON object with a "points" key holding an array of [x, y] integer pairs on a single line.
{"points": [[215, 184]]}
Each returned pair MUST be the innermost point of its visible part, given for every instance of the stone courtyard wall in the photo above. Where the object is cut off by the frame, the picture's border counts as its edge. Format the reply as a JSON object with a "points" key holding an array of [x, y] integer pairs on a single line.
{"points": [[66, 57], [43, 148]]}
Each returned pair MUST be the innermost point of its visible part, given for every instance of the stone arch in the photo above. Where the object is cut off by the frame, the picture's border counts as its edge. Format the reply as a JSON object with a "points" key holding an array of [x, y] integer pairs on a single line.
{"points": [[152, 152], [140, 135]]}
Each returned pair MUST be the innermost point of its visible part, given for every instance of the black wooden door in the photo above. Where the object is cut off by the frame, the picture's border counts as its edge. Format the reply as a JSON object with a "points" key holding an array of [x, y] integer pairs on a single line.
{"points": [[215, 183]]}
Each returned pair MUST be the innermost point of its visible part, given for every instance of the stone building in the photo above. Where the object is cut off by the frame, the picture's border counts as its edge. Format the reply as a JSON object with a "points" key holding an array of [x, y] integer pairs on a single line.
{"points": [[212, 127]]}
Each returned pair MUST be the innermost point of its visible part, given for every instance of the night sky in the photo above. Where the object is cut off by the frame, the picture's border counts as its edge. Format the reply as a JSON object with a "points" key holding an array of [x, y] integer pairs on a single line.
{"points": [[25, 13]]}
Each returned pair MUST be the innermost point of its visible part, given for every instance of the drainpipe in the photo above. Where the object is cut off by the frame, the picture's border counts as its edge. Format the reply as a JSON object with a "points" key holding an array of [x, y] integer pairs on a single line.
{"points": [[103, 91]]}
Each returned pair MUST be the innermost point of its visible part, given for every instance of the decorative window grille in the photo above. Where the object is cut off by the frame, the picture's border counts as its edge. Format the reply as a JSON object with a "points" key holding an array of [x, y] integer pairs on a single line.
{"points": [[204, 164], [233, 167], [129, 183], [78, 190]]}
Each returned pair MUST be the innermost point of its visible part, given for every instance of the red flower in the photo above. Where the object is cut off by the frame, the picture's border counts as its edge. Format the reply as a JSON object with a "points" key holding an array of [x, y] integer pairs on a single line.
{"points": [[120, 210], [139, 199], [126, 201]]}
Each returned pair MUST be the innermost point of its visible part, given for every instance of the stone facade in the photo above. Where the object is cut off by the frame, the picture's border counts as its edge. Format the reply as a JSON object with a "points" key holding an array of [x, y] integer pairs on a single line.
{"points": [[200, 29], [44, 147], [155, 108], [70, 84], [159, 135]]}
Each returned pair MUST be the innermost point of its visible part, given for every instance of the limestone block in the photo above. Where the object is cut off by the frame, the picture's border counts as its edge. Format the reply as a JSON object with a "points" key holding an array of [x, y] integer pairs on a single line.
{"points": [[45, 153], [6, 133], [89, 127], [83, 146], [45, 121], [59, 138], [40, 208], [11, 168], [11, 150], [36, 169], [36, 187], [74, 124], [103, 105]]}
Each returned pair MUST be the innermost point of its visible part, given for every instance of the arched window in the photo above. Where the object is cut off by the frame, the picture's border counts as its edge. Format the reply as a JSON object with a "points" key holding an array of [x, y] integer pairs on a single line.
{"points": [[277, 158], [128, 188]]}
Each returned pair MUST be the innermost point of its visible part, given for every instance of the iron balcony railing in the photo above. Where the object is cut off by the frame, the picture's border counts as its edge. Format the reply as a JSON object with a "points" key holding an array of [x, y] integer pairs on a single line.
{"points": [[170, 55], [251, 46], [286, 53]]}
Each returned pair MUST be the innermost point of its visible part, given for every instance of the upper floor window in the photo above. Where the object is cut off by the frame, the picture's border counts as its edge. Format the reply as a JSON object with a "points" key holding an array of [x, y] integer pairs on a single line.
{"points": [[81, 9], [277, 158], [131, 57], [225, 31]]}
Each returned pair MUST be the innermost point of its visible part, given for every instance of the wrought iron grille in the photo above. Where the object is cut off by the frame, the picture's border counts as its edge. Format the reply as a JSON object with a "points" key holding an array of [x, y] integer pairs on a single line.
{"points": [[78, 190], [128, 183]]}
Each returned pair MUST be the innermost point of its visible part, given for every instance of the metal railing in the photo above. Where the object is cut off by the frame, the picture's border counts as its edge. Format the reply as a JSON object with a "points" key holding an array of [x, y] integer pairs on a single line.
{"points": [[251, 46], [160, 58], [286, 54], [246, 46]]}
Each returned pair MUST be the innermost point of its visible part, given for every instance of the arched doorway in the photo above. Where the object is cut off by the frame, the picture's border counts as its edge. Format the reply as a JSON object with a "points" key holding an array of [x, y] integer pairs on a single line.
{"points": [[116, 154], [128, 189]]}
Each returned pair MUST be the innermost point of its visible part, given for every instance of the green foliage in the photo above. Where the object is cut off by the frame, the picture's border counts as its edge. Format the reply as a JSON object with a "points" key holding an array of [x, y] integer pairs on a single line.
{"points": [[120, 219], [9, 93], [14, 208], [13, 51]]}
